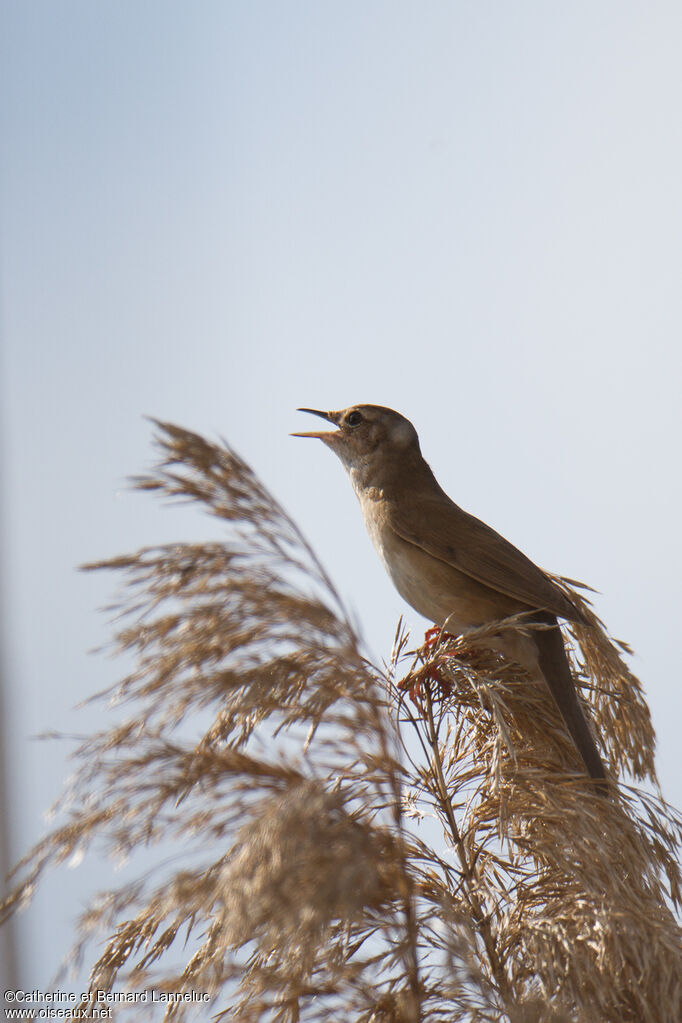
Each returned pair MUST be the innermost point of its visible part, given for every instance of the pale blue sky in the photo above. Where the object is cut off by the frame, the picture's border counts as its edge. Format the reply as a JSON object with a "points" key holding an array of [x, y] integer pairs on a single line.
{"points": [[215, 212]]}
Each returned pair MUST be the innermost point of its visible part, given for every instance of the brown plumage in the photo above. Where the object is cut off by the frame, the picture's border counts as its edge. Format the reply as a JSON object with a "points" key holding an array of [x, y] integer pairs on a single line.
{"points": [[448, 565]]}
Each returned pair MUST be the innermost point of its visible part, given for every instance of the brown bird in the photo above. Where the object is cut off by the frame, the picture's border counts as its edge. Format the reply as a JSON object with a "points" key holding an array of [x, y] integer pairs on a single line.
{"points": [[448, 565]]}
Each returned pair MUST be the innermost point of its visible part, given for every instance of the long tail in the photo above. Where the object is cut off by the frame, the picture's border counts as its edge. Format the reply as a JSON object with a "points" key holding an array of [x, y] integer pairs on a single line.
{"points": [[555, 668]]}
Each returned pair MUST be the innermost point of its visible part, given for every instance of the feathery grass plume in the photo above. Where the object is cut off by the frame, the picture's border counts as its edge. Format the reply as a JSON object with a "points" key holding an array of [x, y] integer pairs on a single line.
{"points": [[573, 894], [292, 782]]}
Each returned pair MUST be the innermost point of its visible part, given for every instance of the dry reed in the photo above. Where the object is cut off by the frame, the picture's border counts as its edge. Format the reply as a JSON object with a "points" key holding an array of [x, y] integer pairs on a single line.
{"points": [[294, 783]]}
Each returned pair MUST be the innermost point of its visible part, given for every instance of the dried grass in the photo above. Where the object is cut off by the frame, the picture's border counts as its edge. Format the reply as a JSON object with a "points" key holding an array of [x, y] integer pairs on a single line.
{"points": [[292, 779]]}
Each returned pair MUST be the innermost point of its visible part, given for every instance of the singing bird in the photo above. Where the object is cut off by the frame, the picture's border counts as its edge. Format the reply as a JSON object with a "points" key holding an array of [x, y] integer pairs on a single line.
{"points": [[449, 566]]}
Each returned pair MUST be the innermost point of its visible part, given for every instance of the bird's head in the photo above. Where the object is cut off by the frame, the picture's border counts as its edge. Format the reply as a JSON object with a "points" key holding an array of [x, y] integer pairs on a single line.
{"points": [[370, 440]]}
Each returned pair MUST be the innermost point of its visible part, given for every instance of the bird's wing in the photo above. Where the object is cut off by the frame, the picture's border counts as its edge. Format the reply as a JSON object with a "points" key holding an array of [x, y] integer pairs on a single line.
{"points": [[448, 533]]}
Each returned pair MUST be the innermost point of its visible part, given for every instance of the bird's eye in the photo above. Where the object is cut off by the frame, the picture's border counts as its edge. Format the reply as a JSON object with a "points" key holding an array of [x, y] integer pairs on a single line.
{"points": [[354, 418]]}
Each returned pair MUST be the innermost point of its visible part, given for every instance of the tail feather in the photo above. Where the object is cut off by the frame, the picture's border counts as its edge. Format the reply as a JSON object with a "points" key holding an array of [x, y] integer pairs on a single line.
{"points": [[554, 666]]}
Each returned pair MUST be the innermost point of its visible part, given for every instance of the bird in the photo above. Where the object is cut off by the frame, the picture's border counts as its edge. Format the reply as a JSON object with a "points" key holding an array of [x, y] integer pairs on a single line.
{"points": [[451, 567]]}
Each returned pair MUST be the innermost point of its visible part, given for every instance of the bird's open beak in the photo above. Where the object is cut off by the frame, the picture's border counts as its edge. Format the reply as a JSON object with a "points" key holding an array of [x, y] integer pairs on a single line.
{"points": [[331, 417]]}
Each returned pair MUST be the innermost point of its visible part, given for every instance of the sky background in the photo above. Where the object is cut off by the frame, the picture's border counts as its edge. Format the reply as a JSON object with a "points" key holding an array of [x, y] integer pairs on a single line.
{"points": [[215, 212]]}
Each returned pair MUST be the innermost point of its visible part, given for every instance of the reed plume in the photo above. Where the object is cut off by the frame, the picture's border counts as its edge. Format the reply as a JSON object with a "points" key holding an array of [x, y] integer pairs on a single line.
{"points": [[342, 841]]}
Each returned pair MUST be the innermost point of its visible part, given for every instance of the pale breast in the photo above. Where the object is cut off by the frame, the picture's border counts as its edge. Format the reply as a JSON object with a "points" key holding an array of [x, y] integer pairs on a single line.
{"points": [[436, 590]]}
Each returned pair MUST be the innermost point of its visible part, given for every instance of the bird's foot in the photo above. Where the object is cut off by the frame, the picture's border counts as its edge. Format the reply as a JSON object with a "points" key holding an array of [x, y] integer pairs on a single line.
{"points": [[413, 688], [416, 683], [429, 675], [434, 635], [431, 636]]}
